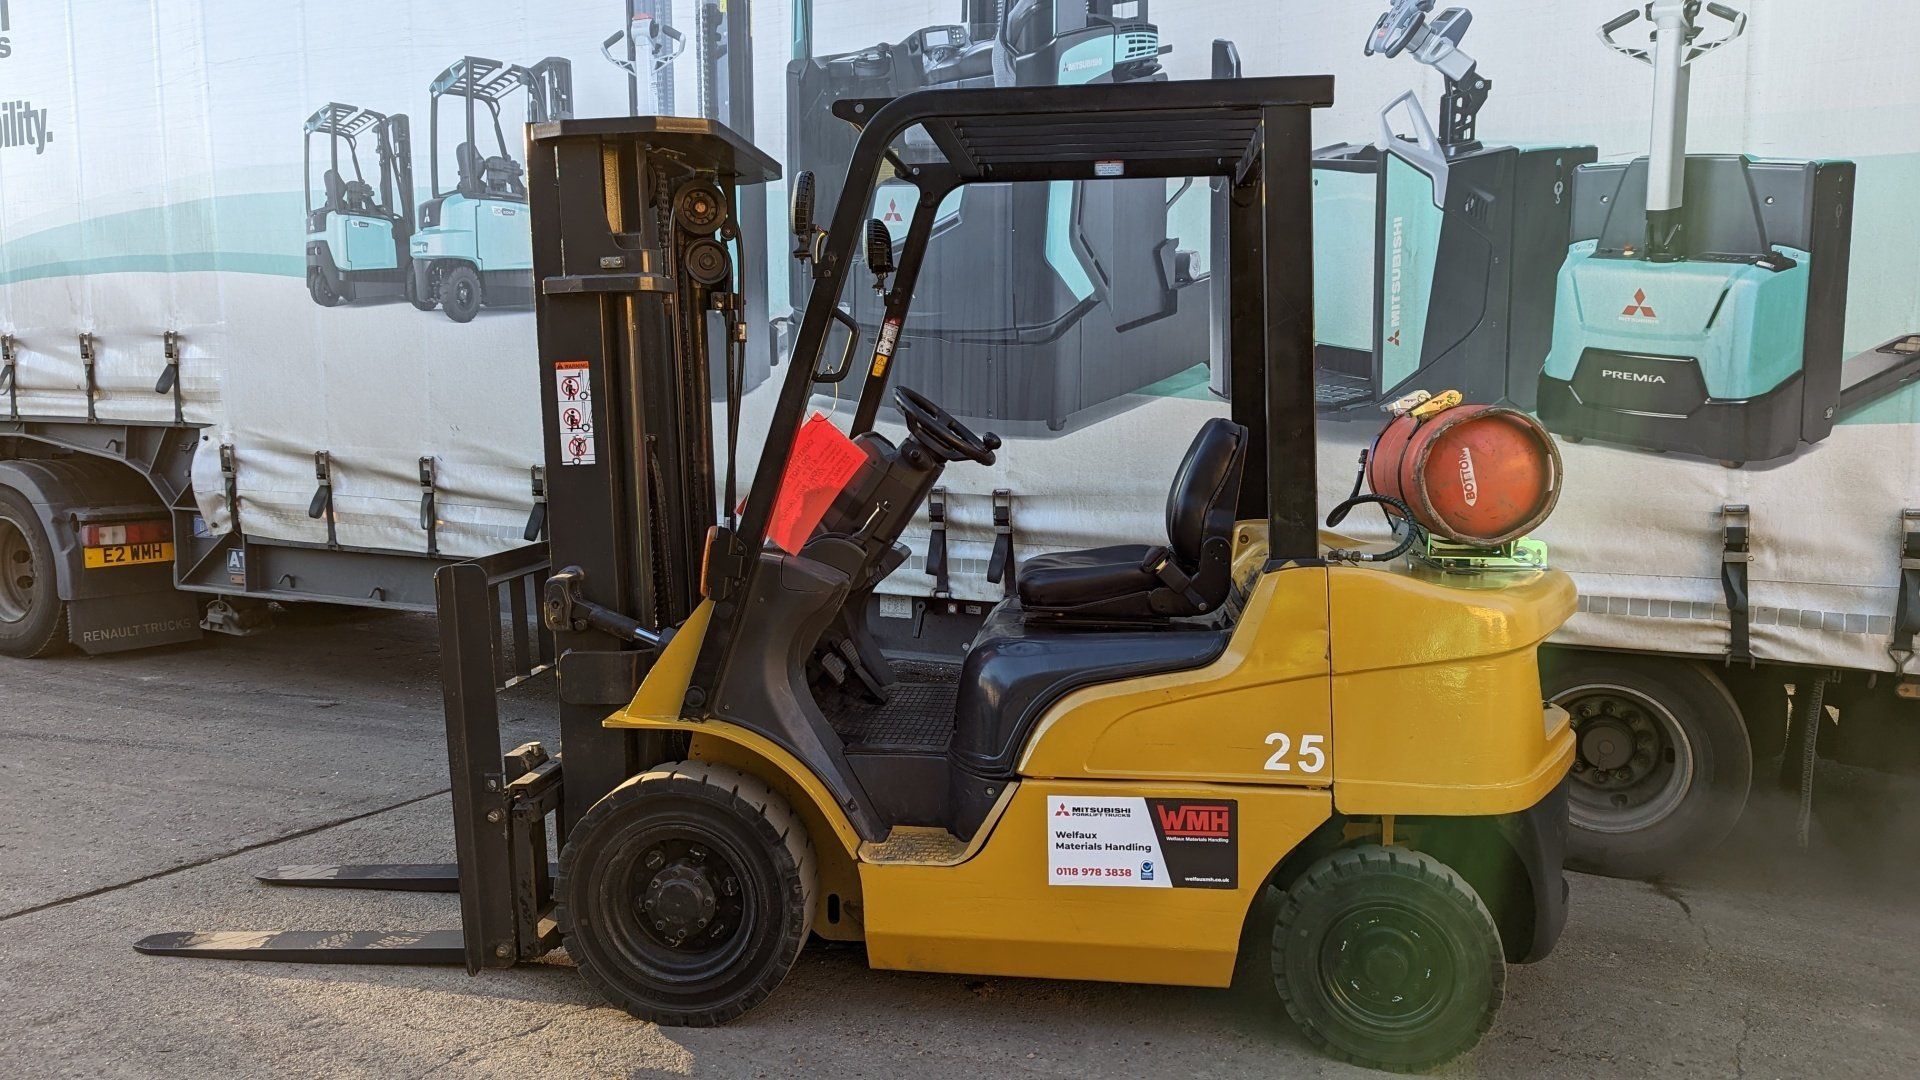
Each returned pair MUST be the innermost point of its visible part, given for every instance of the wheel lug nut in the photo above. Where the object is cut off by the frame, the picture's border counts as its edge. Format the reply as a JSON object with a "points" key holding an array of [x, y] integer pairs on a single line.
{"points": [[1622, 774]]}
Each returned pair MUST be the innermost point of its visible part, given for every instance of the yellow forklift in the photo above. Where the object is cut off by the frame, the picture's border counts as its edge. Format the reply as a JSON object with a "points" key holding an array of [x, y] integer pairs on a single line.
{"points": [[1240, 747]]}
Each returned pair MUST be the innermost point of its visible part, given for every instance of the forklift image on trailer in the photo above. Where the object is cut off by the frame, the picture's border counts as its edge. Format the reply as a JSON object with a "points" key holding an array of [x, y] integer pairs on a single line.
{"points": [[1340, 776], [473, 250], [1436, 250], [358, 230], [1702, 305], [1098, 296]]}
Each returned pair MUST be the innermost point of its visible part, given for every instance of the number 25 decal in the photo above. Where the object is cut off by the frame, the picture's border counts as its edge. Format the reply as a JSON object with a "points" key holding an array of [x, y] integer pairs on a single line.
{"points": [[1311, 757]]}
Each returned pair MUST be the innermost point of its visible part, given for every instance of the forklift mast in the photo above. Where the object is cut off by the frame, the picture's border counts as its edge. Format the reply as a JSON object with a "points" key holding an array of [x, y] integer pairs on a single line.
{"points": [[638, 301], [396, 174]]}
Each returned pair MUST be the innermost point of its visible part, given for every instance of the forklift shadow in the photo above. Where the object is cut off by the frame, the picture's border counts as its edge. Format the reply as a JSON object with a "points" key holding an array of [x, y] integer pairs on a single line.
{"points": [[1052, 1015]]}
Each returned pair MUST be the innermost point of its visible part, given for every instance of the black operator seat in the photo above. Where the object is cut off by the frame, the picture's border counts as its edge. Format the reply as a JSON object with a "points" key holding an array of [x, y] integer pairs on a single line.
{"points": [[1191, 575], [336, 191], [471, 164]]}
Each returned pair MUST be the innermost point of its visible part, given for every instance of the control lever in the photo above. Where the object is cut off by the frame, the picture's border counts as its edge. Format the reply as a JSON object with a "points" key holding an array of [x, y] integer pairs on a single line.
{"points": [[565, 609]]}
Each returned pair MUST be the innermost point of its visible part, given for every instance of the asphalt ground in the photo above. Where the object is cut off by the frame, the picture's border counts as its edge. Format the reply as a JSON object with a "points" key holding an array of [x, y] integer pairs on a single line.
{"points": [[141, 792]]}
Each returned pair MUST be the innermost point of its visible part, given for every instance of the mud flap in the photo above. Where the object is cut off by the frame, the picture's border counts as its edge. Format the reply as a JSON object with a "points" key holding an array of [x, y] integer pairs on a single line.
{"points": [[109, 624]]}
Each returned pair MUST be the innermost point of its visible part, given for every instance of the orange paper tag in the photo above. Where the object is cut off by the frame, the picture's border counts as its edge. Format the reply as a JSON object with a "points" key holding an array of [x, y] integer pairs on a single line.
{"points": [[823, 462]]}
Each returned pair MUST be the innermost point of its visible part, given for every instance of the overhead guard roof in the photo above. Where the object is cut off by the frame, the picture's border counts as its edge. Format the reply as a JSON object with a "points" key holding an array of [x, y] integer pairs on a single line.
{"points": [[1199, 127], [741, 160]]}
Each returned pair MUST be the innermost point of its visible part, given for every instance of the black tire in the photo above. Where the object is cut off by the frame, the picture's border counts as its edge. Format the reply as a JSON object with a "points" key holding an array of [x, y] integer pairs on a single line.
{"points": [[1687, 766], [668, 843], [33, 618], [1387, 958], [413, 294], [460, 293], [322, 292]]}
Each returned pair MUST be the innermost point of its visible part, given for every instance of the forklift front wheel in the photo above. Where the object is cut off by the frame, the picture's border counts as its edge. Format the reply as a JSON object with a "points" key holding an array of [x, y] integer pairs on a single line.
{"points": [[1387, 958], [460, 293], [686, 894]]}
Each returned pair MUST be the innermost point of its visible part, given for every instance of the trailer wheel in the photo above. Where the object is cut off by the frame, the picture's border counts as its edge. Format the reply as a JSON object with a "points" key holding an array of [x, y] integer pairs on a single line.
{"points": [[1662, 761], [33, 618], [1387, 958], [686, 894], [322, 292], [460, 293]]}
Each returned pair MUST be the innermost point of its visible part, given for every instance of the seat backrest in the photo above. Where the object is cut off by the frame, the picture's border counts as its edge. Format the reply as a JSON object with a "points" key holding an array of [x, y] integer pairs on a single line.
{"points": [[336, 191], [468, 158], [1205, 492]]}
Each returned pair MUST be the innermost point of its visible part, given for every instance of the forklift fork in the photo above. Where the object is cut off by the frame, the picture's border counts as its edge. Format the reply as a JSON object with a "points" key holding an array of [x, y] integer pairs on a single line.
{"points": [[491, 638]]}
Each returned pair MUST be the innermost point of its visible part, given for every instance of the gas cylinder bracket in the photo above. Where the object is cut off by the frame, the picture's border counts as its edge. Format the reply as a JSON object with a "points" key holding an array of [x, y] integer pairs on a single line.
{"points": [[1906, 612], [1736, 557]]}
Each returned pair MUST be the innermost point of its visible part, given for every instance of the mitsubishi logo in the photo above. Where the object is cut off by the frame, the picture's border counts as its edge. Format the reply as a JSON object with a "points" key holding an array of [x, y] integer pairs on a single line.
{"points": [[1062, 811], [893, 212], [1393, 339], [1638, 308]]}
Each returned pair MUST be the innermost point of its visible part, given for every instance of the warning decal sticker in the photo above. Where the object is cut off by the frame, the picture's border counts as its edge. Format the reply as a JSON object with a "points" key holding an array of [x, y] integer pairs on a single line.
{"points": [[573, 408], [1143, 843]]}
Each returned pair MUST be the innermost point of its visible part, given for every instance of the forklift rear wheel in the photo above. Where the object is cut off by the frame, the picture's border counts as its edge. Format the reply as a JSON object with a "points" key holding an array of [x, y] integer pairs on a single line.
{"points": [[414, 297], [1662, 760], [460, 293], [1387, 958], [686, 894], [33, 619], [322, 292]]}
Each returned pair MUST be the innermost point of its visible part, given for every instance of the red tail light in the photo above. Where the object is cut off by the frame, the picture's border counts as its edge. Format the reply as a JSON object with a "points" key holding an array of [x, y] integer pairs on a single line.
{"points": [[126, 532]]}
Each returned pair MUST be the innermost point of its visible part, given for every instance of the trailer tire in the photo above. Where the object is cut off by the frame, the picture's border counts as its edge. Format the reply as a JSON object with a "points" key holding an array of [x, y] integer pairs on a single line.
{"points": [[33, 618], [687, 851], [1387, 958], [1662, 762], [460, 293]]}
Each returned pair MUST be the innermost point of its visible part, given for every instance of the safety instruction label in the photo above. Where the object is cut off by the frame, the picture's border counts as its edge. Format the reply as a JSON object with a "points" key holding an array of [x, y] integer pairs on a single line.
{"points": [[573, 411], [1143, 843]]}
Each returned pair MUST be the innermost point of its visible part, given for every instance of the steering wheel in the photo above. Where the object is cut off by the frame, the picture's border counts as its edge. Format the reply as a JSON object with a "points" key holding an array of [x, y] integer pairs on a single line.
{"points": [[1397, 27], [945, 437]]}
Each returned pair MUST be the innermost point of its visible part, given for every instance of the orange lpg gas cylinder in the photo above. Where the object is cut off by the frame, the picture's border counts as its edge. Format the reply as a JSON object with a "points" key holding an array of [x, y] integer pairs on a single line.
{"points": [[1474, 474]]}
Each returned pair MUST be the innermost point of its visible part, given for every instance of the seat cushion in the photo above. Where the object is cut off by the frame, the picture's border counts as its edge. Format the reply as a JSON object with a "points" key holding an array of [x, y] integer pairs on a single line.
{"points": [[1069, 579], [1017, 668]]}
